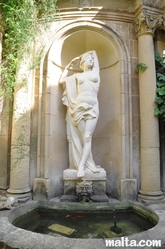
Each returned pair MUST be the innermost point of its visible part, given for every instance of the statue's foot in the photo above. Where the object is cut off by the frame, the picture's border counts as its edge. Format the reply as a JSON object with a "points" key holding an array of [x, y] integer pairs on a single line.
{"points": [[80, 172]]}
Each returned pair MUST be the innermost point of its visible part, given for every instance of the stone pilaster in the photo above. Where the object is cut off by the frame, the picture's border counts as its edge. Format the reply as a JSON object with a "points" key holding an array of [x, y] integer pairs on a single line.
{"points": [[20, 140], [145, 25], [4, 126]]}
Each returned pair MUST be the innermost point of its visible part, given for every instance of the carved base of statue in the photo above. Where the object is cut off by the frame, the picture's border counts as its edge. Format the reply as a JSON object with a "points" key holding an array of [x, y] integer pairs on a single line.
{"points": [[92, 187]]}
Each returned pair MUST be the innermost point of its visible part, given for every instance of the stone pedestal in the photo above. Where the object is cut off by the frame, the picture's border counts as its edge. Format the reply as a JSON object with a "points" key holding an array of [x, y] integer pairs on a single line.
{"points": [[98, 185]]}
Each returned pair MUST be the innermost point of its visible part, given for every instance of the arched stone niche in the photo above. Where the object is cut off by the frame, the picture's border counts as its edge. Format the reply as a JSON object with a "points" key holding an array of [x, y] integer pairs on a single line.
{"points": [[112, 147]]}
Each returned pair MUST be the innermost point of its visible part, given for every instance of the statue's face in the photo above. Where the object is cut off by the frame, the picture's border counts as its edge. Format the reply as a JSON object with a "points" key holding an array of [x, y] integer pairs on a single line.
{"points": [[86, 61]]}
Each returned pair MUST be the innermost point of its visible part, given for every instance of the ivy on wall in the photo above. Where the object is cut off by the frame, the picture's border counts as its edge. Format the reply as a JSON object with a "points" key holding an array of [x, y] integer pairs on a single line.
{"points": [[141, 67], [21, 20], [160, 90]]}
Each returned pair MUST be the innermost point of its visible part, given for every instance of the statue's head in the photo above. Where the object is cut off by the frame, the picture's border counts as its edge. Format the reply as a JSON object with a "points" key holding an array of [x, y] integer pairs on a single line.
{"points": [[86, 60]]}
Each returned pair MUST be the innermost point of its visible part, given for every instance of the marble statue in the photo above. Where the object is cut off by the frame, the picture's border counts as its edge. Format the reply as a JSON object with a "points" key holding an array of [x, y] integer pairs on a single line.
{"points": [[80, 97]]}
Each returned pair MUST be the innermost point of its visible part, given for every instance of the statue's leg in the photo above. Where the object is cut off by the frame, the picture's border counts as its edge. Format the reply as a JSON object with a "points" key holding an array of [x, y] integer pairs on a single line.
{"points": [[81, 128], [90, 125]]}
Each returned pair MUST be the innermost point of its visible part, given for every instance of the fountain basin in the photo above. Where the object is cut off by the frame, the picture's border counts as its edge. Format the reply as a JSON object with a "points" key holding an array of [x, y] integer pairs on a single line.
{"points": [[21, 238], [85, 222]]}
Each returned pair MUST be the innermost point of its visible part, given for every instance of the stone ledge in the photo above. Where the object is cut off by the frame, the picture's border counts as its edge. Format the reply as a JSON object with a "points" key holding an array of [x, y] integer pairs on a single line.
{"points": [[94, 198], [71, 174]]}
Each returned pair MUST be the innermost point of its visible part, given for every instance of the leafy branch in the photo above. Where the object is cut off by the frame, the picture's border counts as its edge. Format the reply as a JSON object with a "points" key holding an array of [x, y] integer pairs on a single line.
{"points": [[141, 67], [160, 90], [22, 20]]}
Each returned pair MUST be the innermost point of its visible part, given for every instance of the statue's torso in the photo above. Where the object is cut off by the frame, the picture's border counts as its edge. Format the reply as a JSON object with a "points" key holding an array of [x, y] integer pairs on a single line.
{"points": [[87, 86]]}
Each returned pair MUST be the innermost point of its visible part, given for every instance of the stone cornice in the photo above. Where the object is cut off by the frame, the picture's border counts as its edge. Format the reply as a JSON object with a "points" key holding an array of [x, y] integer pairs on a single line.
{"points": [[96, 13], [147, 20]]}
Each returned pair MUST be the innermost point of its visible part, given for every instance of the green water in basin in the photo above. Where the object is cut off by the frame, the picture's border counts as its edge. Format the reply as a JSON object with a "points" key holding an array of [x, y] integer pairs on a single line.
{"points": [[86, 224]]}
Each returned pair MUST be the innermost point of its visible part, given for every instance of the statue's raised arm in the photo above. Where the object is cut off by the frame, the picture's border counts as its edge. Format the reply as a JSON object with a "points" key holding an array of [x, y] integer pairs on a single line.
{"points": [[71, 65]]}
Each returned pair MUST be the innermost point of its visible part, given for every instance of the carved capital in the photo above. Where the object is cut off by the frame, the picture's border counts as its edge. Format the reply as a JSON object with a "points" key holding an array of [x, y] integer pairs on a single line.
{"points": [[148, 22]]}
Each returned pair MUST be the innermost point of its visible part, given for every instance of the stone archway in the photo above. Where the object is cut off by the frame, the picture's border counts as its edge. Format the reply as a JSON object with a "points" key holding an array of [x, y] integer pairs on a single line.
{"points": [[112, 140]]}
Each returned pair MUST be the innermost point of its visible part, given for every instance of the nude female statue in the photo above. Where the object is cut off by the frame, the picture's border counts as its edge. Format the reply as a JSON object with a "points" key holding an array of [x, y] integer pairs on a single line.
{"points": [[80, 97]]}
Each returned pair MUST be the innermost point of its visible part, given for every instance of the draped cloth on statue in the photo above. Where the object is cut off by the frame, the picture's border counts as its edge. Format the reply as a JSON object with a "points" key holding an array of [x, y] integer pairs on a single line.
{"points": [[75, 113]]}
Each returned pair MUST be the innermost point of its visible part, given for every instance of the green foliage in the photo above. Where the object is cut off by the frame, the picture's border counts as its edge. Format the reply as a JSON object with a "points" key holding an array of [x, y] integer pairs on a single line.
{"points": [[141, 67], [160, 90], [21, 20]]}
